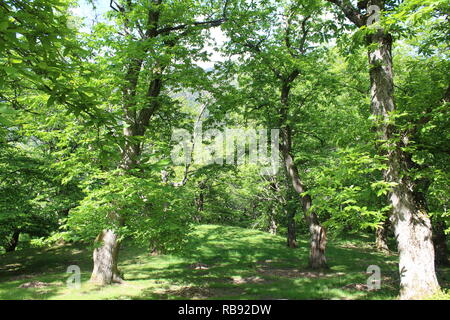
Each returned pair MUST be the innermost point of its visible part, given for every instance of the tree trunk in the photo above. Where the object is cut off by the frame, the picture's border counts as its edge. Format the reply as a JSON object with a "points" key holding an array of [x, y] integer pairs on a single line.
{"points": [[318, 240], [106, 255], [11, 246], [290, 214], [381, 237], [200, 201], [154, 251], [105, 259], [411, 223], [440, 244], [272, 223], [317, 259]]}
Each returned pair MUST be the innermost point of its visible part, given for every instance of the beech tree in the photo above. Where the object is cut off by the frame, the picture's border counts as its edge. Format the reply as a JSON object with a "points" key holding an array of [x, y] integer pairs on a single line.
{"points": [[88, 116], [277, 61], [154, 44], [410, 219]]}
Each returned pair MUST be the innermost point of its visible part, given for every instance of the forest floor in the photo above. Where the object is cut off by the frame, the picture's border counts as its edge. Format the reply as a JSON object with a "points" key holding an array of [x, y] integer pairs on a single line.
{"points": [[218, 262]]}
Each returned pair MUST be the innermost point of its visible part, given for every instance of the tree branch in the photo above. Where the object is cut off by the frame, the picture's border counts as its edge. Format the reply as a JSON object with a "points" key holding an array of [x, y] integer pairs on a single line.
{"points": [[352, 13], [207, 23]]}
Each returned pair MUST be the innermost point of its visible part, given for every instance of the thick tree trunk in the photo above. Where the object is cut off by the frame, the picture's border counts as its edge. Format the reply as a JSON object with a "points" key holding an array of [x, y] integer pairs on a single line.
{"points": [[416, 252], [317, 259], [106, 258], [411, 223], [12, 245], [440, 244], [381, 237], [106, 255]]}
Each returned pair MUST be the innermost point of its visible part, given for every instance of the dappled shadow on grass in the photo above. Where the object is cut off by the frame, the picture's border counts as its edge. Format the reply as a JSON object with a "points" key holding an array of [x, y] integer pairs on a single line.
{"points": [[217, 263], [228, 253], [12, 293], [37, 261], [21, 270]]}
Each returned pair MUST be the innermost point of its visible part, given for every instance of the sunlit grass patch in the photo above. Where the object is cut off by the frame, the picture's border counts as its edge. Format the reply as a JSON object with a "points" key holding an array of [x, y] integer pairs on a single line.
{"points": [[218, 262]]}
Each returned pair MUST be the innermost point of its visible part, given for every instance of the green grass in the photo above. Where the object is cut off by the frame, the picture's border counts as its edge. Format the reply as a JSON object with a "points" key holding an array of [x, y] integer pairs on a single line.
{"points": [[240, 264]]}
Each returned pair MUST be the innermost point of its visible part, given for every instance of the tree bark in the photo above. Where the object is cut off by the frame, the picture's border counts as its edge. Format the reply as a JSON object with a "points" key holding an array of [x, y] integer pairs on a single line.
{"points": [[440, 244], [12, 245], [290, 215], [272, 223], [381, 237], [106, 255], [106, 258], [411, 222], [317, 259]]}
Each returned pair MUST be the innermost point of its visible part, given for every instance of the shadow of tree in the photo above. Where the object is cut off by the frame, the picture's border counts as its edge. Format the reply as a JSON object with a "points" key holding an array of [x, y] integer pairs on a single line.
{"points": [[248, 256], [217, 262]]}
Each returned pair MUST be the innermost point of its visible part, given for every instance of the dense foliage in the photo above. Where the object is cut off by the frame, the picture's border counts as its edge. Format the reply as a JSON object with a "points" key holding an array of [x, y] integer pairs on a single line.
{"points": [[88, 109]]}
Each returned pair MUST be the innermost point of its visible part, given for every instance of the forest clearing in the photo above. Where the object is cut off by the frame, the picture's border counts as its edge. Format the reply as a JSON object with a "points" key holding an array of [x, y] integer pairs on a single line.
{"points": [[224, 149]]}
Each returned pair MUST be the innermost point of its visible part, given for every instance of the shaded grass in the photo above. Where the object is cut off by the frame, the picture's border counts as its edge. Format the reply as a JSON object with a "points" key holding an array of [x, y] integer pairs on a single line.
{"points": [[218, 262]]}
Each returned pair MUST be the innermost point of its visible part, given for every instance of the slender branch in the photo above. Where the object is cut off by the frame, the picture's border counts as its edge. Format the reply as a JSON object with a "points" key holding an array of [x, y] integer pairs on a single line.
{"points": [[188, 164], [207, 23]]}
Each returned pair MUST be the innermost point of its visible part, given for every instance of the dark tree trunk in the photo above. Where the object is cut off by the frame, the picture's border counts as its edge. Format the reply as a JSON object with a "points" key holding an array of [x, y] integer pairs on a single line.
{"points": [[440, 244], [154, 251], [13, 242], [381, 237], [317, 259], [290, 215], [291, 237], [200, 201]]}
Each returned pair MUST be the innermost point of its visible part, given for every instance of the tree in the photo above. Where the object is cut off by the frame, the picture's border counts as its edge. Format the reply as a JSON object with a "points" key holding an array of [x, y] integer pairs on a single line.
{"points": [[277, 60], [154, 44], [33, 199], [409, 218], [39, 47]]}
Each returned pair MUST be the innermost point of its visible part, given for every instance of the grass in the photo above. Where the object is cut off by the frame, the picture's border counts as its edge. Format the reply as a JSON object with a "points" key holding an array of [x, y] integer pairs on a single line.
{"points": [[218, 263]]}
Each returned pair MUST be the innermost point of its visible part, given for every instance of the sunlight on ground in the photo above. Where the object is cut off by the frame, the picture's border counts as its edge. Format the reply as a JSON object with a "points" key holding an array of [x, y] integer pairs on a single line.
{"points": [[217, 263]]}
